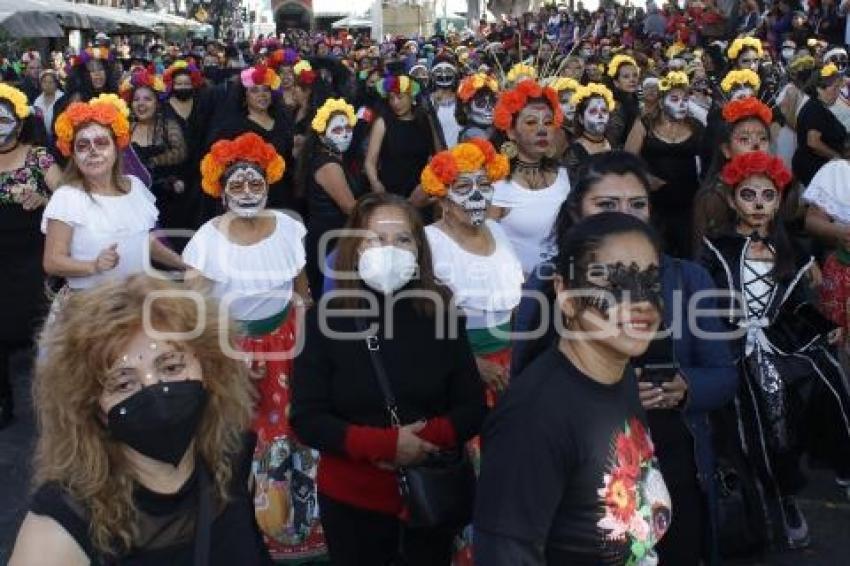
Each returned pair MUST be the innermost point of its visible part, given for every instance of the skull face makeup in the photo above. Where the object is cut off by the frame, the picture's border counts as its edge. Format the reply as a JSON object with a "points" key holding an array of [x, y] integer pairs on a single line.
{"points": [[338, 135], [481, 108], [568, 109], [675, 104], [741, 91], [444, 75], [629, 283], [473, 193], [8, 125], [595, 117], [246, 190]]}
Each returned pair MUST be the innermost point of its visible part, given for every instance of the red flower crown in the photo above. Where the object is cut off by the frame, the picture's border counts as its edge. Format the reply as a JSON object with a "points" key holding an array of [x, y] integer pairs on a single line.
{"points": [[748, 107], [752, 163], [512, 101]]}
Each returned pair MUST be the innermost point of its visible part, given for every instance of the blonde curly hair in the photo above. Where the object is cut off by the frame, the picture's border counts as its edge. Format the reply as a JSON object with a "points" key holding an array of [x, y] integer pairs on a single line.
{"points": [[74, 448]]}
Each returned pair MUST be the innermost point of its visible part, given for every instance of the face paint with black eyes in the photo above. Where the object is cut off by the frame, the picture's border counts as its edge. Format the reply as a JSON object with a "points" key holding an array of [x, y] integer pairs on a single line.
{"points": [[481, 108], [473, 193]]}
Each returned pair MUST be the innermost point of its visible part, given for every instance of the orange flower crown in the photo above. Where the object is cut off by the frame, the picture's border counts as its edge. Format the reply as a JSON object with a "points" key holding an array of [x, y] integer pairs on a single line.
{"points": [[107, 110], [747, 107], [475, 154], [247, 148], [746, 165], [473, 83], [512, 101]]}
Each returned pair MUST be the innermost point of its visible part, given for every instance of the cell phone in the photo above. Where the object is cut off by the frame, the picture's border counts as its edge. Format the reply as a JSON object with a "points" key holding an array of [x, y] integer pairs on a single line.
{"points": [[659, 373], [658, 364]]}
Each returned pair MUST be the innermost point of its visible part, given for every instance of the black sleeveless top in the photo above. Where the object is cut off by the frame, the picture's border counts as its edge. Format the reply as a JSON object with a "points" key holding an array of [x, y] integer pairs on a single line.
{"points": [[404, 153], [676, 164], [322, 209], [166, 526]]}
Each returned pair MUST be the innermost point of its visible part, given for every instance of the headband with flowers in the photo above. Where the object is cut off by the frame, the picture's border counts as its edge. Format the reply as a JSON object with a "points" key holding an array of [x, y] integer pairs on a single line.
{"points": [[674, 79], [561, 84], [618, 61], [473, 83], [304, 73], [741, 43], [260, 75], [802, 63], [747, 107], [107, 110], [591, 90], [511, 102], [247, 148], [139, 79], [475, 154], [743, 77], [93, 53], [185, 68], [521, 72], [745, 165], [17, 98], [398, 84], [329, 108], [828, 70]]}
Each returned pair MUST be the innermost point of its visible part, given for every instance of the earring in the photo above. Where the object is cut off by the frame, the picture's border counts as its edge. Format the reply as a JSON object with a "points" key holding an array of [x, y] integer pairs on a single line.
{"points": [[510, 149]]}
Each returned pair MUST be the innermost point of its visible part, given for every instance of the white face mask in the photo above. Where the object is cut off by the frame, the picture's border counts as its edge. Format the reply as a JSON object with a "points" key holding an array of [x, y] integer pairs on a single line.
{"points": [[568, 109], [473, 193], [676, 106], [481, 109], [246, 192], [596, 117], [338, 135], [8, 124], [741, 92], [386, 268]]}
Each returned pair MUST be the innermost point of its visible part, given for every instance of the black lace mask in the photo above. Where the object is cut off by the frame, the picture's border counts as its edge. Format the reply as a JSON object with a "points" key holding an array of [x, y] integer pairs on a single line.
{"points": [[623, 282]]}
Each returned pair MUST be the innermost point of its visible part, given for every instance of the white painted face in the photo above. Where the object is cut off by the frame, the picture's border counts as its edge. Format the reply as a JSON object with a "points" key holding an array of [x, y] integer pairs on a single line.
{"points": [[596, 116], [338, 134], [473, 193], [741, 92], [246, 192], [568, 109], [481, 108], [8, 124], [676, 104]]}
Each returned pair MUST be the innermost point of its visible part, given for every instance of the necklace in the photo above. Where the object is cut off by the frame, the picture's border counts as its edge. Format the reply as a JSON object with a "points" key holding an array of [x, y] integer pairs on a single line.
{"points": [[533, 173]]}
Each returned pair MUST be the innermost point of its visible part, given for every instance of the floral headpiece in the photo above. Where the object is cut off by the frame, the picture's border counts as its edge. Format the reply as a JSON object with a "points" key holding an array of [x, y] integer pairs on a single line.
{"points": [[475, 154], [748, 107], [675, 50], [401, 84], [618, 61], [674, 79], [560, 84], [802, 63], [329, 108], [17, 98], [520, 72], [93, 53], [591, 90], [740, 43], [107, 110], [141, 79], [247, 148], [260, 75], [304, 73], [828, 70], [290, 57], [511, 102], [745, 165], [743, 77], [473, 83], [183, 67]]}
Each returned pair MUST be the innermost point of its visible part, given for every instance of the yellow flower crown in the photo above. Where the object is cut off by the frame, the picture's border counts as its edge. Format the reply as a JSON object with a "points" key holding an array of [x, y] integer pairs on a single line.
{"points": [[591, 90], [675, 49], [329, 108], [741, 77], [302, 65], [476, 154], [521, 71], [561, 84], [617, 62], [674, 79], [740, 43], [17, 98], [802, 63], [828, 70]]}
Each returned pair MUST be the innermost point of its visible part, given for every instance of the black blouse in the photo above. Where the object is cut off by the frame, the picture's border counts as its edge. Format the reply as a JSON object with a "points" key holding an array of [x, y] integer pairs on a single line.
{"points": [[815, 116]]}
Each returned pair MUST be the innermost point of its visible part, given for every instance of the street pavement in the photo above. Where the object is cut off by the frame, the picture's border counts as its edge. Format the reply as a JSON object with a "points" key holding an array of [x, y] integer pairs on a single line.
{"points": [[824, 505]]}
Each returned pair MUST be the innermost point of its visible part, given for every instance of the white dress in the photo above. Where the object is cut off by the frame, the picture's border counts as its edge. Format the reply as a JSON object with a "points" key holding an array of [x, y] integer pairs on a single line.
{"points": [[254, 282], [487, 288], [99, 221], [530, 217]]}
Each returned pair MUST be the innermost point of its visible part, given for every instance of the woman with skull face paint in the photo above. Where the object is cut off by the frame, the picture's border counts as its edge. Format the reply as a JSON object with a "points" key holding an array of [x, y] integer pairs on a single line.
{"points": [[158, 465], [566, 89], [477, 95], [775, 360], [745, 53], [527, 201], [625, 78], [27, 175], [444, 100], [325, 179], [253, 261], [593, 106], [670, 143]]}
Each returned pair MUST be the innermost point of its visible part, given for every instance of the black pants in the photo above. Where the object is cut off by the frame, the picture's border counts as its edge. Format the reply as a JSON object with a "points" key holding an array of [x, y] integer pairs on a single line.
{"points": [[358, 537]]}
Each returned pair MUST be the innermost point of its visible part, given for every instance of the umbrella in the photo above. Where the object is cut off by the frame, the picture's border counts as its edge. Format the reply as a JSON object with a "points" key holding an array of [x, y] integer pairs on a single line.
{"points": [[30, 24]]}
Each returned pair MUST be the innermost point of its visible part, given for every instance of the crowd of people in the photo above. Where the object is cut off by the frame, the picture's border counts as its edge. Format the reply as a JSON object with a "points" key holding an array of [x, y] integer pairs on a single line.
{"points": [[567, 288]]}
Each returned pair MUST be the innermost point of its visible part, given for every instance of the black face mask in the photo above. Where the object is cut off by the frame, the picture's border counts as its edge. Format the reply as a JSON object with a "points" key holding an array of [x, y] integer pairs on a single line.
{"points": [[630, 282], [160, 421], [183, 93]]}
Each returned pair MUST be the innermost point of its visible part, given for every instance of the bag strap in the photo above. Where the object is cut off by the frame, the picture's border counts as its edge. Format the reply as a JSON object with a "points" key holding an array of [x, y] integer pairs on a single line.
{"points": [[374, 347], [203, 527]]}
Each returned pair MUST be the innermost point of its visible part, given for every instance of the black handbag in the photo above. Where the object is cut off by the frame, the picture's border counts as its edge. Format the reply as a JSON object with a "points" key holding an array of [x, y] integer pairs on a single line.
{"points": [[441, 490]]}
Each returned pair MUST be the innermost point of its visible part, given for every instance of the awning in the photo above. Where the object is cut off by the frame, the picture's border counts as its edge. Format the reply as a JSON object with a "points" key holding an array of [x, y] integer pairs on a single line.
{"points": [[352, 22], [30, 24]]}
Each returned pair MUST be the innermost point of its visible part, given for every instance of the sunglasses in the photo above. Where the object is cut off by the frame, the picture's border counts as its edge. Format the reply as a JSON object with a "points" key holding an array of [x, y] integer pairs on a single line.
{"points": [[87, 145]]}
